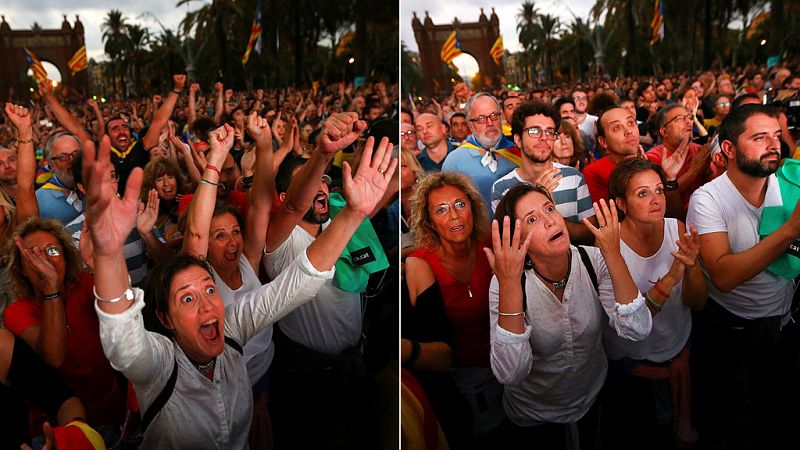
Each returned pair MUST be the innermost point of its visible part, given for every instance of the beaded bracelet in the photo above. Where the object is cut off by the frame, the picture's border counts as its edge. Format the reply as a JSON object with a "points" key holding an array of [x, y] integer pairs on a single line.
{"points": [[24, 141]]}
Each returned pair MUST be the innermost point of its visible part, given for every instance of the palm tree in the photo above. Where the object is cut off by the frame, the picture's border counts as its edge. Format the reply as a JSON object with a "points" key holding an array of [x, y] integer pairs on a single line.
{"points": [[546, 40], [527, 21], [114, 28], [217, 20], [138, 39]]}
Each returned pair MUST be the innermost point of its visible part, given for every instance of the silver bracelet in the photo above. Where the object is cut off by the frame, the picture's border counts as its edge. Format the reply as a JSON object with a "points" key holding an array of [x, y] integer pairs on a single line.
{"points": [[126, 295], [521, 313]]}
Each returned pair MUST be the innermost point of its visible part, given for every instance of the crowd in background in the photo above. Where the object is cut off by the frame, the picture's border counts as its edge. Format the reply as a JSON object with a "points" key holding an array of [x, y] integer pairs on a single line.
{"points": [[610, 263]]}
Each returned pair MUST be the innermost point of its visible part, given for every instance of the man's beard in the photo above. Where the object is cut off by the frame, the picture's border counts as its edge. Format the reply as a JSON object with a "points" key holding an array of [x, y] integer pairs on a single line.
{"points": [[487, 142], [66, 179], [312, 216], [534, 158], [756, 167]]}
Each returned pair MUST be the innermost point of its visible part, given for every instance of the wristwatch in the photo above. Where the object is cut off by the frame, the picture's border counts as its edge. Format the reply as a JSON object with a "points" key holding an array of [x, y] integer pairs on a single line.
{"points": [[671, 185]]}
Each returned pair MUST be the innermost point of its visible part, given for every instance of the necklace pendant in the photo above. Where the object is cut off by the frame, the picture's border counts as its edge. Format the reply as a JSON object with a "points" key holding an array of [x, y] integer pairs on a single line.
{"points": [[469, 291], [560, 284]]}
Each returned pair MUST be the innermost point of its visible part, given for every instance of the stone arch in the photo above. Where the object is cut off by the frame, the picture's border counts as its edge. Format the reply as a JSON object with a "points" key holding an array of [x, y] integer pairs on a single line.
{"points": [[476, 39], [55, 46]]}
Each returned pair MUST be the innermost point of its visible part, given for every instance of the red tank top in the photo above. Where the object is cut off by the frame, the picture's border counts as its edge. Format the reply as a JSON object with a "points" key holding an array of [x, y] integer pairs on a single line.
{"points": [[467, 307]]}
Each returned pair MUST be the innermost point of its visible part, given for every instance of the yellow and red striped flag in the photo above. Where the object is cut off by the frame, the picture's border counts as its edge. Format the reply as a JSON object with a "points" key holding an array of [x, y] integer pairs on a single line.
{"points": [[255, 36], [36, 66], [657, 25], [451, 48], [497, 50], [78, 61]]}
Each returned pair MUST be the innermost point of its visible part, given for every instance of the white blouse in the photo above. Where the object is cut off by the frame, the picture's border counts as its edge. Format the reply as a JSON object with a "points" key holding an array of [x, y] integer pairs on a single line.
{"points": [[554, 370]]}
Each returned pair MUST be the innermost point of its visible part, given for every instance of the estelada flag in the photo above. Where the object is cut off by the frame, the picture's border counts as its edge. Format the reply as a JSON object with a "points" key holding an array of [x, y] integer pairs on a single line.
{"points": [[657, 25], [451, 48], [36, 66], [497, 50], [78, 61], [255, 36]]}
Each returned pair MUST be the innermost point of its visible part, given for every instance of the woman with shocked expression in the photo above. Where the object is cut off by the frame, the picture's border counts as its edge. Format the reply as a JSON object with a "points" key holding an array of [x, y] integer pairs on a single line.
{"points": [[211, 404], [548, 303]]}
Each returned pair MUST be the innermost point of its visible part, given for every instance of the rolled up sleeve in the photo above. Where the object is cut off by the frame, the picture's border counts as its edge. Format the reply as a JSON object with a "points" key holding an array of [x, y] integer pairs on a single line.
{"points": [[510, 355]]}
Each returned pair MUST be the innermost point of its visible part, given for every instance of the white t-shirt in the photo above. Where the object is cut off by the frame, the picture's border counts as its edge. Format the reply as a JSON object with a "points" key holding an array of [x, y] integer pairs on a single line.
{"points": [[718, 206], [587, 128], [671, 326], [332, 321], [259, 350]]}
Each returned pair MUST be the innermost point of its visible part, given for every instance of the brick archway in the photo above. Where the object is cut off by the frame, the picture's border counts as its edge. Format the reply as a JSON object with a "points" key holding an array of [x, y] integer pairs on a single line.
{"points": [[55, 46], [476, 39]]}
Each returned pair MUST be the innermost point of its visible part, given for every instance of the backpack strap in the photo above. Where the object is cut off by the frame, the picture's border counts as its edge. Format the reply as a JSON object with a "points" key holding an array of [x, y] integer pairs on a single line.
{"points": [[162, 398], [236, 346], [166, 393], [589, 268]]}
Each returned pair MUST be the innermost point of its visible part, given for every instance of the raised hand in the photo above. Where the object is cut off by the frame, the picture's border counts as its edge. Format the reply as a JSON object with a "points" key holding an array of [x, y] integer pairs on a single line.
{"points": [[19, 116], [221, 140], [45, 88], [364, 191], [339, 131], [44, 275], [194, 87], [92, 103], [147, 215], [606, 234], [219, 87], [156, 100], [178, 81], [507, 255], [688, 248], [110, 218], [550, 179], [672, 164], [258, 128]]}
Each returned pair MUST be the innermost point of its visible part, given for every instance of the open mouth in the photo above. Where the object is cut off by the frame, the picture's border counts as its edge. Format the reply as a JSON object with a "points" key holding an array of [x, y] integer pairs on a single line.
{"points": [[210, 330], [232, 255], [321, 203], [457, 228], [556, 236]]}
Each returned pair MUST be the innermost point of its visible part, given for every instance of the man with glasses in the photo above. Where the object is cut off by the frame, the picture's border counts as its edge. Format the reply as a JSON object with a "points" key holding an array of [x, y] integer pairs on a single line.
{"points": [[486, 155], [586, 121], [431, 132], [674, 125], [58, 199], [534, 128], [408, 138]]}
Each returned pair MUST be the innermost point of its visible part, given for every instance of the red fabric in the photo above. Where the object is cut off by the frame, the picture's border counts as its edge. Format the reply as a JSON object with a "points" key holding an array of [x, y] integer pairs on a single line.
{"points": [[429, 423], [86, 369], [676, 372], [469, 317], [238, 199], [656, 153], [597, 175]]}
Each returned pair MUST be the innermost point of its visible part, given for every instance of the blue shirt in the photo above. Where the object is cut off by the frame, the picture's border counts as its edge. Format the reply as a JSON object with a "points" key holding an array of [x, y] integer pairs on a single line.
{"points": [[63, 206], [429, 165], [468, 161]]}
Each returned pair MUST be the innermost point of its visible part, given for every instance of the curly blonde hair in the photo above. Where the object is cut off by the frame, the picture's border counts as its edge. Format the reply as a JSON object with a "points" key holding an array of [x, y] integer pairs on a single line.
{"points": [[20, 285], [421, 224]]}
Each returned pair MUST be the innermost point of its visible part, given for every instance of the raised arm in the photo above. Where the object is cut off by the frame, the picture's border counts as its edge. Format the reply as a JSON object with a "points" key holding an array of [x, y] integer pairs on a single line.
{"points": [[110, 220], [262, 191], [164, 112], [101, 125], [338, 131], [362, 192], [219, 106], [192, 107], [64, 117], [27, 206], [195, 241]]}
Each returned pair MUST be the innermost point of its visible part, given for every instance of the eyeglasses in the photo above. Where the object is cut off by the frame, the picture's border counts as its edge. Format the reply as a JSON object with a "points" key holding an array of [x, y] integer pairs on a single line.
{"points": [[494, 117], [52, 250], [724, 104], [407, 133], [444, 208], [65, 156], [549, 134], [683, 117], [579, 98]]}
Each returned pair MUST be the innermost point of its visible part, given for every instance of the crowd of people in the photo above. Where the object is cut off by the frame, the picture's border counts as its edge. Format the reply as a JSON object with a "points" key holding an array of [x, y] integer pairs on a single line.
{"points": [[201, 269], [605, 264]]}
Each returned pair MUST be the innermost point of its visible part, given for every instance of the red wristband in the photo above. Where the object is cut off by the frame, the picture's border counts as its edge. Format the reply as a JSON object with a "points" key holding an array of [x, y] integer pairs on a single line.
{"points": [[209, 166], [658, 289]]}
